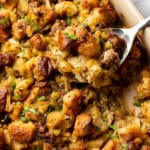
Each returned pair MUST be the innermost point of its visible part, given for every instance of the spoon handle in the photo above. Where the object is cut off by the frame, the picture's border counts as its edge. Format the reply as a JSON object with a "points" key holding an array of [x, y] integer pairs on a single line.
{"points": [[141, 25]]}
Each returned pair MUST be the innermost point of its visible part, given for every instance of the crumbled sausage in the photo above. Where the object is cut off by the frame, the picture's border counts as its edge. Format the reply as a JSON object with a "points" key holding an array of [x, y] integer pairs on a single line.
{"points": [[6, 59], [3, 95], [58, 25], [2, 139], [38, 42], [118, 43], [89, 48], [71, 102], [21, 28], [45, 67], [4, 35], [83, 125], [21, 132], [45, 15], [89, 3], [64, 42], [110, 57], [49, 138]]}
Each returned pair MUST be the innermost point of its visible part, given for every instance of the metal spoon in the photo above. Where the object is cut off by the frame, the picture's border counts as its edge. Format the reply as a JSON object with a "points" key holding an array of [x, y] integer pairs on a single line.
{"points": [[129, 35]]}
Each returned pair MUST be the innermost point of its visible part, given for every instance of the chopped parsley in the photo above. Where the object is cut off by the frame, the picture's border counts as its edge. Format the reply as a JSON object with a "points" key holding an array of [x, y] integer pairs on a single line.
{"points": [[4, 119], [41, 98], [17, 97], [50, 108], [22, 49], [85, 25], [68, 20], [113, 127], [12, 85], [124, 146], [105, 120], [137, 104], [27, 109], [114, 136], [58, 107], [4, 21], [1, 6], [38, 148], [97, 128], [22, 16], [18, 103], [102, 42], [34, 25], [71, 35], [24, 119]]}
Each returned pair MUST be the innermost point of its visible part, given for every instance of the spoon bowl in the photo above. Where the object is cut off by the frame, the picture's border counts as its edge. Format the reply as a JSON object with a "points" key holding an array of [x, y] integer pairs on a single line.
{"points": [[128, 35]]}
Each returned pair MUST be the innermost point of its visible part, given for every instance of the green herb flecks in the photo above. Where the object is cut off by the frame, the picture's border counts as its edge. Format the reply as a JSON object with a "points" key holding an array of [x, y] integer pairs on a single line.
{"points": [[41, 98], [25, 110], [137, 104], [38, 148], [12, 85], [22, 49], [71, 35], [18, 103], [34, 25], [4, 120], [22, 16], [97, 128], [124, 146], [50, 108], [4, 21], [68, 20], [113, 127], [85, 25], [102, 42], [17, 97], [105, 120], [58, 107], [1, 6], [24, 119], [114, 136]]}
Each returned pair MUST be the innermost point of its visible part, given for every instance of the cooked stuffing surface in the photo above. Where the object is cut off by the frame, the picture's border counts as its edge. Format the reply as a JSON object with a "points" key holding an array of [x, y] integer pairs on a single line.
{"points": [[60, 85]]}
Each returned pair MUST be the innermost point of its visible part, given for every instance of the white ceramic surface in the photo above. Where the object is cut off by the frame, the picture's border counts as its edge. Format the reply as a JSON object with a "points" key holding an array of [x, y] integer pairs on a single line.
{"points": [[131, 15], [143, 6]]}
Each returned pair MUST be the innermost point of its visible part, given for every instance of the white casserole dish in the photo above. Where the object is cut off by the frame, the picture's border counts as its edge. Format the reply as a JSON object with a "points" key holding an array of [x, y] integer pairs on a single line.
{"points": [[130, 15]]}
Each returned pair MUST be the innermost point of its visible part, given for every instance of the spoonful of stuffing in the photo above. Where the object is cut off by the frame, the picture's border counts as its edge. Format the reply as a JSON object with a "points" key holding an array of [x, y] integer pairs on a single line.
{"points": [[128, 35]]}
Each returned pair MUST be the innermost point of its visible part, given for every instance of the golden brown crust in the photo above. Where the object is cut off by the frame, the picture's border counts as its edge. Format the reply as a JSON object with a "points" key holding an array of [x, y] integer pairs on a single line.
{"points": [[59, 87], [21, 132], [38, 42], [89, 3], [71, 102], [83, 125]]}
